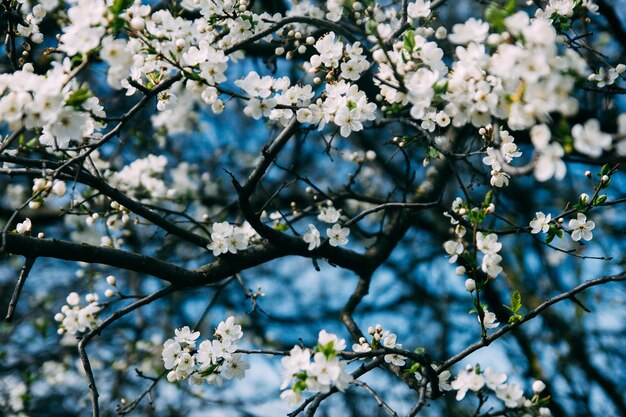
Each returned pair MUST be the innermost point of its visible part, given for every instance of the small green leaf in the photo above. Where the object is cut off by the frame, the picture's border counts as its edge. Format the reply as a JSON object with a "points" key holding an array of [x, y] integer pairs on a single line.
{"points": [[281, 227], [488, 198], [414, 368], [516, 301], [409, 40], [605, 169], [120, 5], [601, 200], [78, 97]]}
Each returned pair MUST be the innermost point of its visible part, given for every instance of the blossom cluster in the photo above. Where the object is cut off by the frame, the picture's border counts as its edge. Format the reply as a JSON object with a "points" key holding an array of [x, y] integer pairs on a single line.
{"points": [[317, 370], [486, 244], [229, 238], [498, 157], [511, 394], [74, 317], [337, 235], [53, 104], [212, 361], [580, 227]]}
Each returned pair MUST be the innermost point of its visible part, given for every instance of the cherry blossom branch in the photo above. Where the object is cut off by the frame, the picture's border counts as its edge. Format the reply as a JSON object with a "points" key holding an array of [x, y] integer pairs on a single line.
{"points": [[532, 314], [103, 187], [123, 120], [317, 399]]}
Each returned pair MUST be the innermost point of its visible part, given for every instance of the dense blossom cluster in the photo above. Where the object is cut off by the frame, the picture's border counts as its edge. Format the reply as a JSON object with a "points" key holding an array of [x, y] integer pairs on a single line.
{"points": [[317, 371], [53, 103], [212, 361], [511, 394], [75, 318], [228, 238], [337, 235]]}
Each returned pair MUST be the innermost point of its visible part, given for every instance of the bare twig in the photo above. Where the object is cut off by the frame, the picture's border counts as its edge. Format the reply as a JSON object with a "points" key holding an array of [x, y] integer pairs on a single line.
{"points": [[28, 264]]}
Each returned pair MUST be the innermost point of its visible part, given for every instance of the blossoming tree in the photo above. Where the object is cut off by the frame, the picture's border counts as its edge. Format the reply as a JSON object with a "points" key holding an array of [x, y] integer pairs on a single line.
{"points": [[384, 208]]}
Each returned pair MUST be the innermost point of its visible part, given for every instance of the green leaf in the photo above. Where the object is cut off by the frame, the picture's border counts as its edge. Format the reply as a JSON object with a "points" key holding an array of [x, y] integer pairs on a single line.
{"points": [[32, 143], [516, 301], [601, 200], [495, 14], [605, 169], [120, 5], [433, 153], [409, 40], [515, 318], [281, 227], [78, 97], [488, 198], [414, 368]]}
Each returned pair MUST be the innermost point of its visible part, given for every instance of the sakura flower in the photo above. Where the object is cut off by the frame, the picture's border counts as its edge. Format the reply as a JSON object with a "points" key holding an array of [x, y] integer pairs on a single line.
{"points": [[298, 360], [541, 223], [292, 397], [338, 235], [491, 265], [362, 346], [493, 380], [589, 139], [549, 163], [454, 249], [329, 215], [467, 380], [581, 228], [511, 394], [228, 330], [312, 237], [325, 370], [235, 367], [172, 352], [489, 319], [419, 8], [444, 379], [325, 339], [24, 227], [206, 354], [393, 358], [488, 244], [187, 336], [473, 30], [499, 179]]}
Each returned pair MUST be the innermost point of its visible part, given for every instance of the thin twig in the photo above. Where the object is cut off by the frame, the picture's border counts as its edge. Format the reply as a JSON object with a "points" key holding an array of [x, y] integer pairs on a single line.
{"points": [[28, 265]]}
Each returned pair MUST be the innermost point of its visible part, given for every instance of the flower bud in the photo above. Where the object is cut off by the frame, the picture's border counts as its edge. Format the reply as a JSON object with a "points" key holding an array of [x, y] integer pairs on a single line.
{"points": [[605, 178], [460, 270], [59, 188], [538, 386], [111, 280], [470, 284], [584, 198], [109, 293]]}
